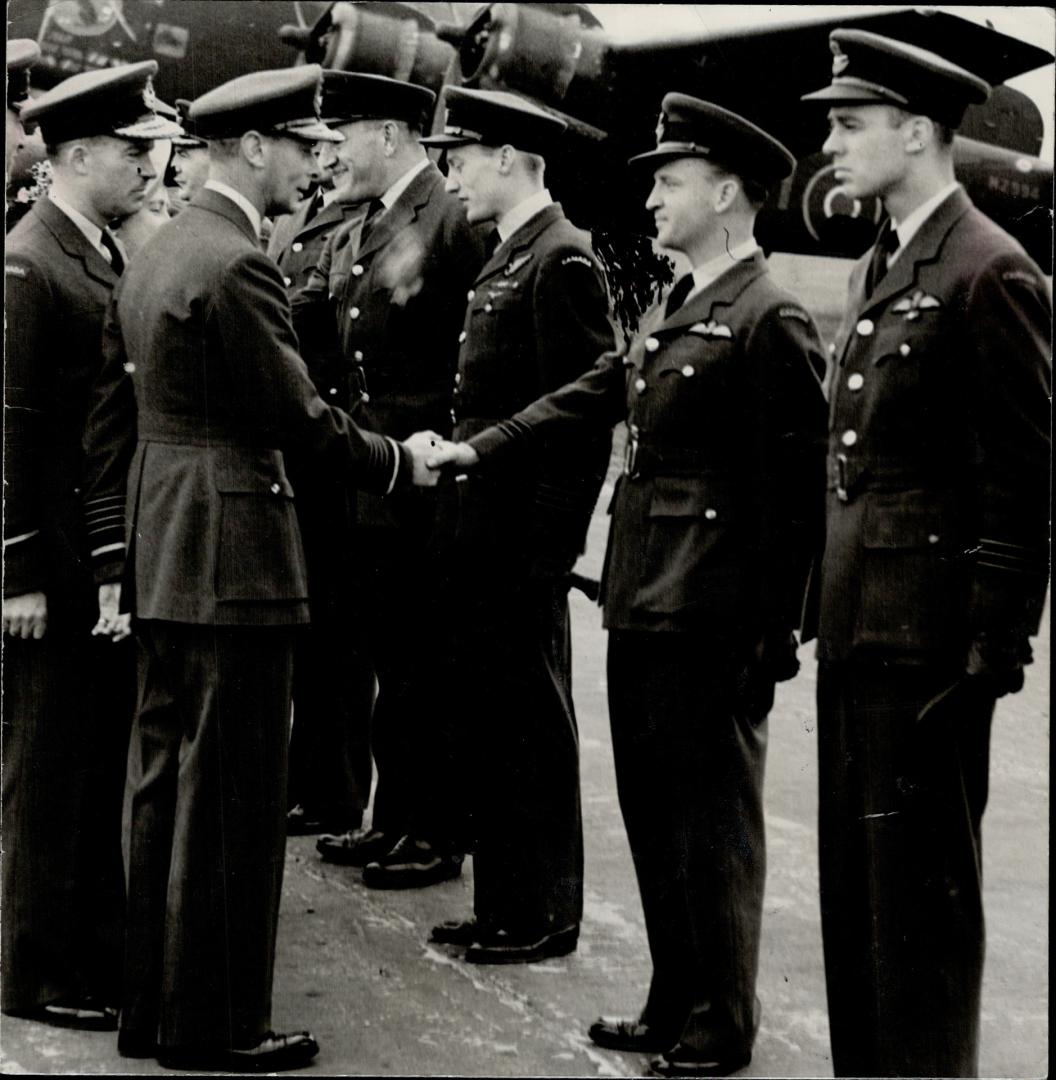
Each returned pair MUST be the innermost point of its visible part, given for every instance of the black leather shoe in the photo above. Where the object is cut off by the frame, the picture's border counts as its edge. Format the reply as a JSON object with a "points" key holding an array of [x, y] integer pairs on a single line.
{"points": [[274, 1053], [501, 947], [631, 1035], [83, 1013], [355, 848], [685, 1061], [133, 1044], [456, 932], [411, 864], [301, 822]]}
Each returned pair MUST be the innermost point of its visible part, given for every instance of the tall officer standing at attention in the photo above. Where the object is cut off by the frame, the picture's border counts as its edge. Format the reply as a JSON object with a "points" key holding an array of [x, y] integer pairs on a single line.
{"points": [[714, 523], [537, 317], [386, 303], [68, 698], [216, 569], [934, 571]]}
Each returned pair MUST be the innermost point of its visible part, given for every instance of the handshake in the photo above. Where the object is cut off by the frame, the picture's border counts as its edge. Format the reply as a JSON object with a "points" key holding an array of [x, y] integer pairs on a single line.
{"points": [[430, 452]]}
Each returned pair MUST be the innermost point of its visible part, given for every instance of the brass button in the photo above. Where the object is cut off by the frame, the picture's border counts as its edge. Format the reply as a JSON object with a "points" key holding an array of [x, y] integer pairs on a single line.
{"points": [[855, 381], [353, 313], [710, 514], [358, 356], [461, 337], [865, 327], [849, 438], [470, 294], [333, 391], [275, 489], [651, 344], [129, 367], [287, 281], [689, 370], [297, 246], [639, 385], [933, 538], [364, 397], [458, 377], [488, 307], [357, 270], [904, 349]]}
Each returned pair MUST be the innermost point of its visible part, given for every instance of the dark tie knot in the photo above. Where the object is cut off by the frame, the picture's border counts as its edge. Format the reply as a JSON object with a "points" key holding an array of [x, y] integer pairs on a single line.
{"points": [[117, 261], [677, 296]]}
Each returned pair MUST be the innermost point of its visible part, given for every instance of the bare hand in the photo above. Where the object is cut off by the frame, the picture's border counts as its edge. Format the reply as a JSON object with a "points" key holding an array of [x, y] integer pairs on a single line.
{"points": [[400, 266], [421, 444], [453, 453], [26, 616], [112, 623]]}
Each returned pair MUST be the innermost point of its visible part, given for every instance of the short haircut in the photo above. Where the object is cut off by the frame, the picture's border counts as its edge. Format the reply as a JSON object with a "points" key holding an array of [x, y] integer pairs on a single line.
{"points": [[943, 132], [754, 191]]}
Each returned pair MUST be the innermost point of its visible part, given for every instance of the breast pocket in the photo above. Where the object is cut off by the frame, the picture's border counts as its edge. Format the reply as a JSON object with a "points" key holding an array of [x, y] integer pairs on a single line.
{"points": [[913, 573], [259, 557], [689, 558]]}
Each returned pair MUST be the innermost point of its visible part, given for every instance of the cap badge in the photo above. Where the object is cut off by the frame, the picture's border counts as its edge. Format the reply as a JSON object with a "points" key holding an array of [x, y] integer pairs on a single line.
{"points": [[840, 59], [150, 101], [661, 125], [317, 100]]}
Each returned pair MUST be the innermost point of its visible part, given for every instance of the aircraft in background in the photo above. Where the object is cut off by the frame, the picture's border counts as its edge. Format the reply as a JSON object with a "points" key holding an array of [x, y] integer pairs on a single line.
{"points": [[608, 85]]}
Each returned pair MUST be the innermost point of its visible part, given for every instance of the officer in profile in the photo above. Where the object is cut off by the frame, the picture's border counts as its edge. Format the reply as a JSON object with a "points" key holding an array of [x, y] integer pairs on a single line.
{"points": [[537, 316], [67, 697], [935, 564], [188, 167], [203, 389], [714, 523], [22, 54]]}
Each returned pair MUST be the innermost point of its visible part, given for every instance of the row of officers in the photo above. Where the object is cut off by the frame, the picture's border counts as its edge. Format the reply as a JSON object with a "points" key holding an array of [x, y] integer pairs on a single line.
{"points": [[372, 454]]}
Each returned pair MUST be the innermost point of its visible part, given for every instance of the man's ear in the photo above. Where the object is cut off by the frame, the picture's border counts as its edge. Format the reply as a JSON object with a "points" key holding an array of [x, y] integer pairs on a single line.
{"points": [[254, 149]]}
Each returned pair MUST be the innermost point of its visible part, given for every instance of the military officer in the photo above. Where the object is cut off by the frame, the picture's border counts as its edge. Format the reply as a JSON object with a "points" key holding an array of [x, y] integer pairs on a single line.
{"points": [[714, 522], [537, 316], [22, 54], [386, 303], [203, 389], [333, 687], [68, 698], [934, 570], [188, 167]]}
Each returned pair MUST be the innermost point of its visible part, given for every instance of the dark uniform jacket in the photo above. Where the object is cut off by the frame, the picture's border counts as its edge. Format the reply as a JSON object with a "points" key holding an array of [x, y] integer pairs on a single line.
{"points": [[939, 448], [58, 287], [203, 327], [536, 317], [717, 514], [297, 244], [398, 360]]}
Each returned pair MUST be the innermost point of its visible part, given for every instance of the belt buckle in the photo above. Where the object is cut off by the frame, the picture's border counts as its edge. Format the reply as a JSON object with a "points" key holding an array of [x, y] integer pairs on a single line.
{"points": [[841, 478], [630, 457]]}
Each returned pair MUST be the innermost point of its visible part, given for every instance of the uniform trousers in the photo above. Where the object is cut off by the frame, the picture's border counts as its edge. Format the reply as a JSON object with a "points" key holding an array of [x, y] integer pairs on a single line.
{"points": [[67, 708], [333, 688], [410, 728], [206, 807], [690, 752], [900, 809]]}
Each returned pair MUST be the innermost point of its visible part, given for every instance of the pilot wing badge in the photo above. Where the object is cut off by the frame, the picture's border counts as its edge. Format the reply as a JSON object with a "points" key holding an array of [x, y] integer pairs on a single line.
{"points": [[910, 307], [711, 329]]}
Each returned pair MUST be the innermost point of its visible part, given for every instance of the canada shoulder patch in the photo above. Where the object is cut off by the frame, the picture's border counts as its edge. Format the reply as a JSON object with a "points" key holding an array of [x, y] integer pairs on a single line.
{"points": [[17, 271], [577, 259], [1019, 275], [794, 313]]}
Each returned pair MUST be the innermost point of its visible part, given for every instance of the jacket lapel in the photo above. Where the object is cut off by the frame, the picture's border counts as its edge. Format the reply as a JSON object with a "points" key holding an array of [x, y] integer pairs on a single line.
{"points": [[215, 203], [404, 212], [507, 254], [75, 243], [722, 292], [924, 248]]}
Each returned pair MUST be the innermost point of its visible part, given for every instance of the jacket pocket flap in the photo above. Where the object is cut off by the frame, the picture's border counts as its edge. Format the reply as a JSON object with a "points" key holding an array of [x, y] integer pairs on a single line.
{"points": [[911, 520], [689, 497], [260, 474]]}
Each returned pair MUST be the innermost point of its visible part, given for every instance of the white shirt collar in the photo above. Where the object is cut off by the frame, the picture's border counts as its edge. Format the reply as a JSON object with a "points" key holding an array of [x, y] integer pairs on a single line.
{"points": [[713, 269], [913, 222], [92, 233], [522, 213], [404, 182], [239, 200]]}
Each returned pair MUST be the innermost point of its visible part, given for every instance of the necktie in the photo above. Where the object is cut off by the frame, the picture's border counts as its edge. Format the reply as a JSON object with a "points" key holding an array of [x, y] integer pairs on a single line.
{"points": [[886, 245], [315, 204], [677, 296], [491, 243], [117, 261], [375, 208]]}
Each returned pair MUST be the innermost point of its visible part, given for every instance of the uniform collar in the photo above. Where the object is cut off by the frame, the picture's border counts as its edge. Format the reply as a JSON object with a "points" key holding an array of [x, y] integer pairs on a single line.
{"points": [[239, 200], [92, 233], [404, 182], [909, 228], [713, 269], [521, 214]]}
